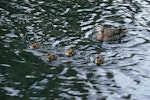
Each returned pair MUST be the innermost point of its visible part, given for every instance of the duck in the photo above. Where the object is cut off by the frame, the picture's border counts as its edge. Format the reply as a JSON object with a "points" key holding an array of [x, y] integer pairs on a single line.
{"points": [[99, 60], [34, 45], [70, 52], [50, 57], [109, 34]]}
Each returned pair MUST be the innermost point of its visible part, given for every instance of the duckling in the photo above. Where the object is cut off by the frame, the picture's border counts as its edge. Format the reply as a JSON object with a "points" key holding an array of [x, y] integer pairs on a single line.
{"points": [[34, 45], [99, 60], [109, 34], [70, 52], [50, 57]]}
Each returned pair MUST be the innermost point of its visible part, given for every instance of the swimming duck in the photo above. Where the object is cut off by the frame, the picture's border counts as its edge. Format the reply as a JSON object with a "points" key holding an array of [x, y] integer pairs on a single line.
{"points": [[70, 52], [50, 57], [109, 34], [34, 46], [99, 60]]}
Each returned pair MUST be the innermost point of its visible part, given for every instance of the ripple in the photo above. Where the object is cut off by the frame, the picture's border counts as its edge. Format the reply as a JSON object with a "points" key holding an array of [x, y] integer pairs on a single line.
{"points": [[11, 91]]}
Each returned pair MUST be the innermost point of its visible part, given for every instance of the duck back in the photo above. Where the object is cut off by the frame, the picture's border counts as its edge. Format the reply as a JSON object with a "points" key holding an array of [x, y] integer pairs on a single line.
{"points": [[113, 34]]}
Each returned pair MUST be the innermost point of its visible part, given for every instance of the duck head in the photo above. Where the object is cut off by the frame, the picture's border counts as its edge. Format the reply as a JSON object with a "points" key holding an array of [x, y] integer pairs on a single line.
{"points": [[100, 32], [99, 28]]}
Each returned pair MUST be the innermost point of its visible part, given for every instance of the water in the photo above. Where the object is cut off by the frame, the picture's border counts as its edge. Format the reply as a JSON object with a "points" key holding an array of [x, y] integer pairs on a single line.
{"points": [[58, 25]]}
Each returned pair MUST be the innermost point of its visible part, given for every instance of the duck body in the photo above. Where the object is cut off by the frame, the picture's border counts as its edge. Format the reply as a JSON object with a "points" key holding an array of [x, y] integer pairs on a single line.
{"points": [[109, 34], [99, 60], [34, 45], [50, 57], [70, 52]]}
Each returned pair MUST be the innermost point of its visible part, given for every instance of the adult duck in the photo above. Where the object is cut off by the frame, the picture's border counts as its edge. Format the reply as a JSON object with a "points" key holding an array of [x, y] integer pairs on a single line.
{"points": [[109, 34]]}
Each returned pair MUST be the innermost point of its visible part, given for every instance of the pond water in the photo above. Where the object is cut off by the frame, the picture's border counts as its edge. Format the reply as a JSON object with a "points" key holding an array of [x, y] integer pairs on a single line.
{"points": [[61, 24]]}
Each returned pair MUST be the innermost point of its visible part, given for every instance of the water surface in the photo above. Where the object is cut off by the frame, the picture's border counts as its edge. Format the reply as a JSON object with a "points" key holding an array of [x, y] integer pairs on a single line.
{"points": [[58, 25]]}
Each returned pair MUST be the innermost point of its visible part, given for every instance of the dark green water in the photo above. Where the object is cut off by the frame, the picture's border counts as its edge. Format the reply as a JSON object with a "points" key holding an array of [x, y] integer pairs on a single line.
{"points": [[61, 24]]}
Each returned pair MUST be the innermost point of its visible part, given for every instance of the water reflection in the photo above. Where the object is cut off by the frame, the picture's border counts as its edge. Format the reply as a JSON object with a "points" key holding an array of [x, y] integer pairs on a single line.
{"points": [[58, 25]]}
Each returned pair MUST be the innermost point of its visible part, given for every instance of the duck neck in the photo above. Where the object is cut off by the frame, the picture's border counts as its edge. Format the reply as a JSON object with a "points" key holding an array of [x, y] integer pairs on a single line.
{"points": [[99, 36]]}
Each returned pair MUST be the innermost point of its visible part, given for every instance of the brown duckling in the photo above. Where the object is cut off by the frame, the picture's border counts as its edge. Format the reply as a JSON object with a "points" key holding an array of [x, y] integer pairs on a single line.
{"points": [[70, 52], [50, 57], [109, 34], [99, 60], [34, 45]]}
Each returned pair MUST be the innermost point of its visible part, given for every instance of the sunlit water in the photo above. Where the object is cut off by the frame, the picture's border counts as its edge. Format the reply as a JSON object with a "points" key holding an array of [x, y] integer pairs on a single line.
{"points": [[60, 24]]}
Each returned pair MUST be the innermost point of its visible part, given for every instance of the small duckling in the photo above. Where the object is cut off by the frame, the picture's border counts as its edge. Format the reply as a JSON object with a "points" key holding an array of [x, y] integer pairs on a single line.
{"points": [[99, 60], [34, 46], [70, 52], [109, 34], [50, 57]]}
